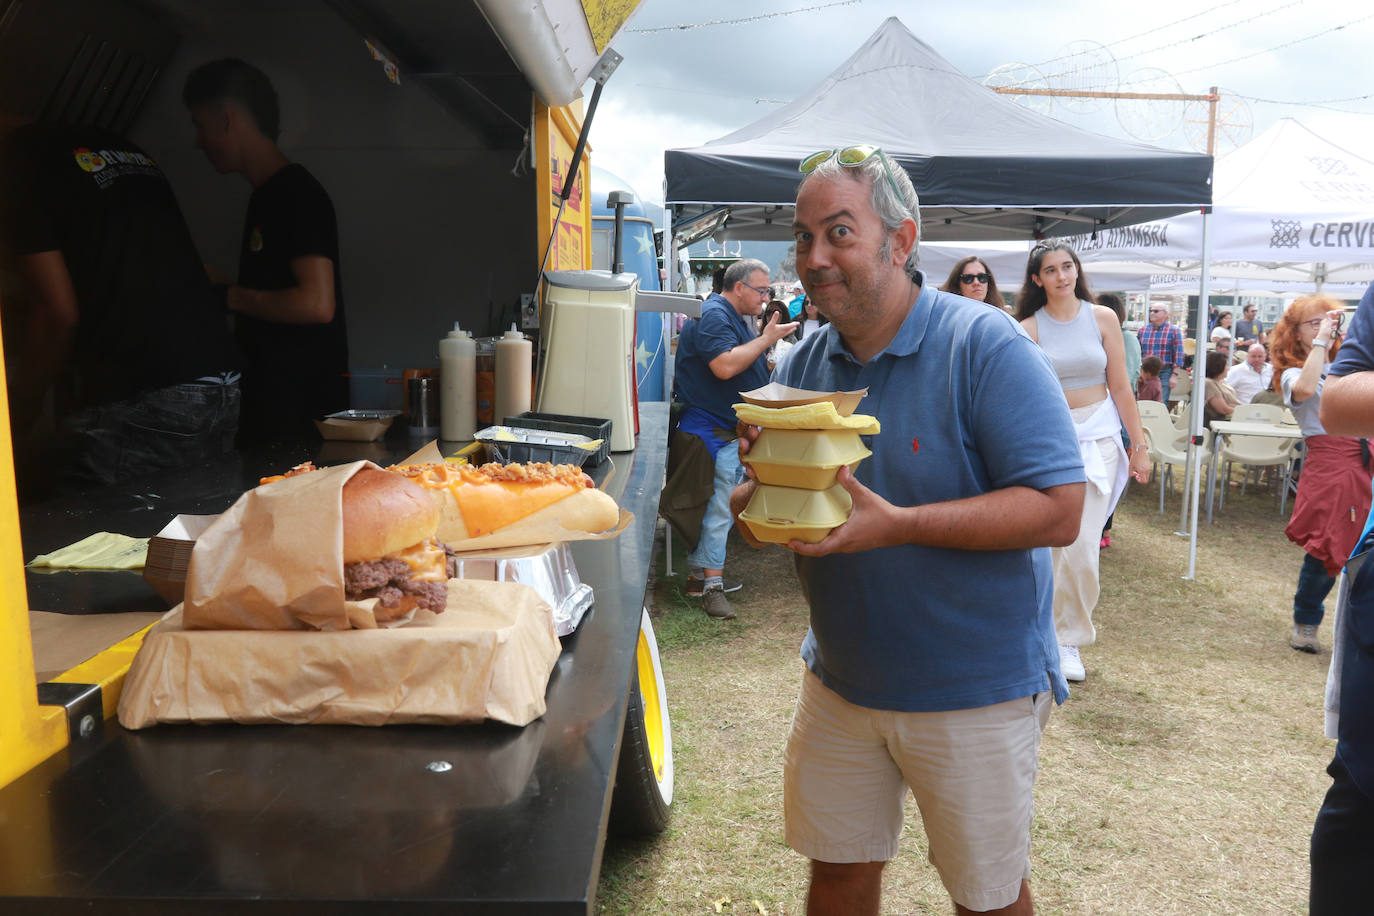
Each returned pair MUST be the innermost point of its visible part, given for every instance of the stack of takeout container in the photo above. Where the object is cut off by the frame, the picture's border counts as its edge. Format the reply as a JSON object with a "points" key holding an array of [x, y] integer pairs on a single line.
{"points": [[169, 555], [801, 446]]}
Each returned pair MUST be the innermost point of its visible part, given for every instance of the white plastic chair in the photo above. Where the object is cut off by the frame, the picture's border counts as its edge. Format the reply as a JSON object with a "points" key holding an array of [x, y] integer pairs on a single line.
{"points": [[1255, 452], [1169, 448], [1258, 413]]}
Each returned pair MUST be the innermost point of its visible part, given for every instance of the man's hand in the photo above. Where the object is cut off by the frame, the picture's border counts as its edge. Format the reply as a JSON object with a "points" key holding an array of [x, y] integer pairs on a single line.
{"points": [[872, 523], [740, 496], [775, 330]]}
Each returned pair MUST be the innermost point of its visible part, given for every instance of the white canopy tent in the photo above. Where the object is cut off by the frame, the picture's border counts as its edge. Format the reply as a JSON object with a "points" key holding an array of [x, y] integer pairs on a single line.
{"points": [[1289, 200]]}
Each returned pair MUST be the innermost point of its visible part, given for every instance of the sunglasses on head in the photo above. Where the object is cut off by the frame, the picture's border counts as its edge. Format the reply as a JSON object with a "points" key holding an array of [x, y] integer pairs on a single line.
{"points": [[974, 278], [851, 157]]}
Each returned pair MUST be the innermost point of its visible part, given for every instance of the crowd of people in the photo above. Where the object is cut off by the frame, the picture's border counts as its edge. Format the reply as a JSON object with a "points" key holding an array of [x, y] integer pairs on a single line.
{"points": [[948, 613]]}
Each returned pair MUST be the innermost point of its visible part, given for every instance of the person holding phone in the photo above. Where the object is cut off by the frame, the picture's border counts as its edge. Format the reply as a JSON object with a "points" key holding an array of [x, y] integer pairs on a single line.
{"points": [[1333, 491]]}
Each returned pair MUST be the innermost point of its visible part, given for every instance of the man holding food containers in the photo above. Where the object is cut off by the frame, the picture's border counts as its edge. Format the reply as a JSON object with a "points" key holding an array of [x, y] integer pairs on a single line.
{"points": [[931, 653]]}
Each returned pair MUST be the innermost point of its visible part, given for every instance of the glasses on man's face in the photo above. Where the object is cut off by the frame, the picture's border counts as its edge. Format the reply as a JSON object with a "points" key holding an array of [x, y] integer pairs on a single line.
{"points": [[851, 157], [974, 278], [1158, 312], [763, 291]]}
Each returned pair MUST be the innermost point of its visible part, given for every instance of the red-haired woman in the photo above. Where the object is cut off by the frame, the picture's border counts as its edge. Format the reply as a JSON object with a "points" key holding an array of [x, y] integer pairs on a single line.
{"points": [[1333, 490]]}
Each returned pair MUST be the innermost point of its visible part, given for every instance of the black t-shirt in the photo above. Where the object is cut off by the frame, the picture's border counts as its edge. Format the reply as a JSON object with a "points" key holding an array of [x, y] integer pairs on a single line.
{"points": [[294, 373], [148, 316]]}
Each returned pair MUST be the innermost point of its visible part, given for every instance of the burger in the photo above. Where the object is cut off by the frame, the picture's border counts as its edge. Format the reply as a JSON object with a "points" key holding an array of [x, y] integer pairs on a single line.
{"points": [[389, 549]]}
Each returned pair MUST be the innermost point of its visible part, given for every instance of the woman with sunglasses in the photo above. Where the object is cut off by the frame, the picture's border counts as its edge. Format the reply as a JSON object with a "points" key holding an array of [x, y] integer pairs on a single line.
{"points": [[1084, 345], [1333, 490], [972, 279]]}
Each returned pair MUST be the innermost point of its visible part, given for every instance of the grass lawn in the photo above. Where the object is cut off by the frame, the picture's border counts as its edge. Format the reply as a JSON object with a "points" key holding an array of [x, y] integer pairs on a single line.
{"points": [[1182, 777]]}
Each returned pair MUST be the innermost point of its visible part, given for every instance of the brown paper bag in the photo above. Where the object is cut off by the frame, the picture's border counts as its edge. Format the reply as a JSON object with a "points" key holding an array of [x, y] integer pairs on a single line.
{"points": [[274, 561], [488, 656]]}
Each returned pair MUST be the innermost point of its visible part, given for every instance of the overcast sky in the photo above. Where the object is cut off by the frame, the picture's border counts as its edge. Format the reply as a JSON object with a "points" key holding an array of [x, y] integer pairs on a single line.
{"points": [[685, 86]]}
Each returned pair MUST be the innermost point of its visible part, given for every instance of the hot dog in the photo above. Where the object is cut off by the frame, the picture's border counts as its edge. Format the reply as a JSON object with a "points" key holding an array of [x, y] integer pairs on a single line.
{"points": [[507, 499]]}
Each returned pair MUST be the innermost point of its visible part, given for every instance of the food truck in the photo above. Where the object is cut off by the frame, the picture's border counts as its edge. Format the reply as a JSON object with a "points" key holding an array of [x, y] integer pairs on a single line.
{"points": [[450, 135]]}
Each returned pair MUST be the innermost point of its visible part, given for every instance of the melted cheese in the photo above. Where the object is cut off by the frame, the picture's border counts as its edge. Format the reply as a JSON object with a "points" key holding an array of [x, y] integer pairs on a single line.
{"points": [[426, 561], [490, 505]]}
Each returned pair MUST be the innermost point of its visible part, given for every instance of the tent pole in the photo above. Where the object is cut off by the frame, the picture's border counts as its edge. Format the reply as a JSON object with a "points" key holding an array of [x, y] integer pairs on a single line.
{"points": [[1196, 401]]}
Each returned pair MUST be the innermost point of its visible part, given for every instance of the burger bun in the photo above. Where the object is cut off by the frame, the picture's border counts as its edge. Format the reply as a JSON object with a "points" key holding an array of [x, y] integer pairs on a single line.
{"points": [[384, 513]]}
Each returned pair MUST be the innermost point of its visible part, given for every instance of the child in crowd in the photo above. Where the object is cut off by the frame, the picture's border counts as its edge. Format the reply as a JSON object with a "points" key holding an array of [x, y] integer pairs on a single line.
{"points": [[1149, 387]]}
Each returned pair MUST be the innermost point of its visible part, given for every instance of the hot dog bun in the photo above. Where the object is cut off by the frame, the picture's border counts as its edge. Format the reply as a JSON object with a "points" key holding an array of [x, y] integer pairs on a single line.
{"points": [[509, 500]]}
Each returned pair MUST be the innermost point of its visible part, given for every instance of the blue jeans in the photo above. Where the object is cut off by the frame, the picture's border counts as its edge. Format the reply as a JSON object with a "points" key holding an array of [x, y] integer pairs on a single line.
{"points": [[1313, 587], [1166, 375], [169, 427], [715, 525]]}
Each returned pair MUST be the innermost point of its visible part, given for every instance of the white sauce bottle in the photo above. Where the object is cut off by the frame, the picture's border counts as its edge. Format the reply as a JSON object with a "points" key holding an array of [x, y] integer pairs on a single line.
{"points": [[457, 385], [514, 365]]}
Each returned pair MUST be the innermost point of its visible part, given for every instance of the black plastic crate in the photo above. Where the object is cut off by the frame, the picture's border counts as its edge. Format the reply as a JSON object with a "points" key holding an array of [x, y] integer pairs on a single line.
{"points": [[591, 427]]}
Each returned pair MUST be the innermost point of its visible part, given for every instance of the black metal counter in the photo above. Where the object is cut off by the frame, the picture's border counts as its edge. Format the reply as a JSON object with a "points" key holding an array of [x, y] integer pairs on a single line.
{"points": [[331, 819]]}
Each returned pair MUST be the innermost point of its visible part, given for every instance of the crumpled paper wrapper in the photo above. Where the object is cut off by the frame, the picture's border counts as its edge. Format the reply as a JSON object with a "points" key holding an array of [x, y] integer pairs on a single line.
{"points": [[274, 561], [488, 656]]}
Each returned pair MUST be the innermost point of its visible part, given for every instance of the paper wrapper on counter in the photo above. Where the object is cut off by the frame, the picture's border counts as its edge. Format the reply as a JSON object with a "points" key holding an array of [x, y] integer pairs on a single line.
{"points": [[274, 561], [488, 656]]}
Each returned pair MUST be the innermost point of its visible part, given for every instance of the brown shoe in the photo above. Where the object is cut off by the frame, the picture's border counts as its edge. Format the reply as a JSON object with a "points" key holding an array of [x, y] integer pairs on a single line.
{"points": [[1304, 638], [715, 604]]}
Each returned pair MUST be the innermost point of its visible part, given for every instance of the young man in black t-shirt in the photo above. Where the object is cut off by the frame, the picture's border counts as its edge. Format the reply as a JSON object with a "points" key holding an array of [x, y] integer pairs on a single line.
{"points": [[115, 287], [288, 299]]}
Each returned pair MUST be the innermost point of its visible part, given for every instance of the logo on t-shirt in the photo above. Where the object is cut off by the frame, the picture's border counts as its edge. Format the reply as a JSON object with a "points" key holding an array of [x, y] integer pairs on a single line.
{"points": [[88, 160], [106, 165], [255, 240]]}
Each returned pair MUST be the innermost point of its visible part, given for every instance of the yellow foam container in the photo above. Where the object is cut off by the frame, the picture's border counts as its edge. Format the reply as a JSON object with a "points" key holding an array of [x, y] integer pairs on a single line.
{"points": [[808, 459], [781, 514]]}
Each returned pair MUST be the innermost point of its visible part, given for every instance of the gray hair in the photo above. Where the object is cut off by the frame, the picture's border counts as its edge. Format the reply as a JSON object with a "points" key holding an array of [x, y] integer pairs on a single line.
{"points": [[890, 210], [740, 272]]}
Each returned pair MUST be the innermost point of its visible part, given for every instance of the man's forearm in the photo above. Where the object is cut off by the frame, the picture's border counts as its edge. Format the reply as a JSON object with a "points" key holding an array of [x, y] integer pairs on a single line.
{"points": [[735, 360], [1015, 518], [293, 305], [1347, 405]]}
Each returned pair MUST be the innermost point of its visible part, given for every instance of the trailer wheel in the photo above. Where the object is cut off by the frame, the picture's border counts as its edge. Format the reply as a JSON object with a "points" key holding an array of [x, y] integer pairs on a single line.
{"points": [[644, 775]]}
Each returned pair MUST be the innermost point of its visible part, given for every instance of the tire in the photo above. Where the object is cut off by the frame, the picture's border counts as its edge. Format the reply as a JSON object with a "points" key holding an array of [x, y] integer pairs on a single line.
{"points": [[643, 794]]}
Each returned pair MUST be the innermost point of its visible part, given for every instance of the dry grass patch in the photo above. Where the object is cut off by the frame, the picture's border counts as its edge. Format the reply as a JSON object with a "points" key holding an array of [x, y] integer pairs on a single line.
{"points": [[1182, 777]]}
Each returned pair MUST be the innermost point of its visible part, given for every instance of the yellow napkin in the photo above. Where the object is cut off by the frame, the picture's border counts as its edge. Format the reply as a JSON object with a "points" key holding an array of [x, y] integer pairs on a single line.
{"points": [[821, 415], [99, 551]]}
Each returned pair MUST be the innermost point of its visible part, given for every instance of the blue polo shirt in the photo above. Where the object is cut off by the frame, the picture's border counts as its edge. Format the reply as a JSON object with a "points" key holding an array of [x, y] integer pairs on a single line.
{"points": [[968, 404], [720, 328]]}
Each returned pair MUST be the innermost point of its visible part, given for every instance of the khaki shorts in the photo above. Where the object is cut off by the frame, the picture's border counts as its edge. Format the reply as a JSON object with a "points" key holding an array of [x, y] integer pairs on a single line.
{"points": [[972, 771]]}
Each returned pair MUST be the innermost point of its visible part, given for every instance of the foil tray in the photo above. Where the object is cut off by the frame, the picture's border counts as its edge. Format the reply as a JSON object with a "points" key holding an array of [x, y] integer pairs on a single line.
{"points": [[547, 568]]}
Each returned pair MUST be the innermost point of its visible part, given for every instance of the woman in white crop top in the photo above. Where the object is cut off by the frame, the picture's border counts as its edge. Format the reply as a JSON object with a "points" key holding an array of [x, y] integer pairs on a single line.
{"points": [[1083, 342]]}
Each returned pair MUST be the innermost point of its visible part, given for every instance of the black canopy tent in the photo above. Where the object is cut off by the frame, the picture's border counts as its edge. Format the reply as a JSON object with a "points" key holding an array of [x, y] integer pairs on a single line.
{"points": [[985, 167]]}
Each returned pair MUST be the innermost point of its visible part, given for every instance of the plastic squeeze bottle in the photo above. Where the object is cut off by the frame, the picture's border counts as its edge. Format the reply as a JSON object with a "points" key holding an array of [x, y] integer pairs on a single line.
{"points": [[457, 385], [514, 363]]}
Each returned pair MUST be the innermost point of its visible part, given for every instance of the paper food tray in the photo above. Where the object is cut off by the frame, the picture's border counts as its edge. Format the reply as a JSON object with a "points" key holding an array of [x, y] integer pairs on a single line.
{"points": [[775, 394]]}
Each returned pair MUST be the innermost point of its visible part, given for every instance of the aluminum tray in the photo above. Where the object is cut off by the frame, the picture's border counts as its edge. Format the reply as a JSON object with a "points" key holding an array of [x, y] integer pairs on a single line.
{"points": [[547, 568]]}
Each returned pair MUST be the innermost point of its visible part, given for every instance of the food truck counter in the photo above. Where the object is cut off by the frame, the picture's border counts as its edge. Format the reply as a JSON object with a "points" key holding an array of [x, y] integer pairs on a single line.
{"points": [[339, 819]]}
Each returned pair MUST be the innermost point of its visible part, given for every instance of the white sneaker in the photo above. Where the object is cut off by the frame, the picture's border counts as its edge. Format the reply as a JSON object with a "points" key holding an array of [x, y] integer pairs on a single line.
{"points": [[1070, 664]]}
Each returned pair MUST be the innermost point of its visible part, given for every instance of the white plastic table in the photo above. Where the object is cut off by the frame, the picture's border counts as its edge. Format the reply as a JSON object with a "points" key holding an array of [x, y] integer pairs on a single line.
{"points": [[1232, 428]]}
